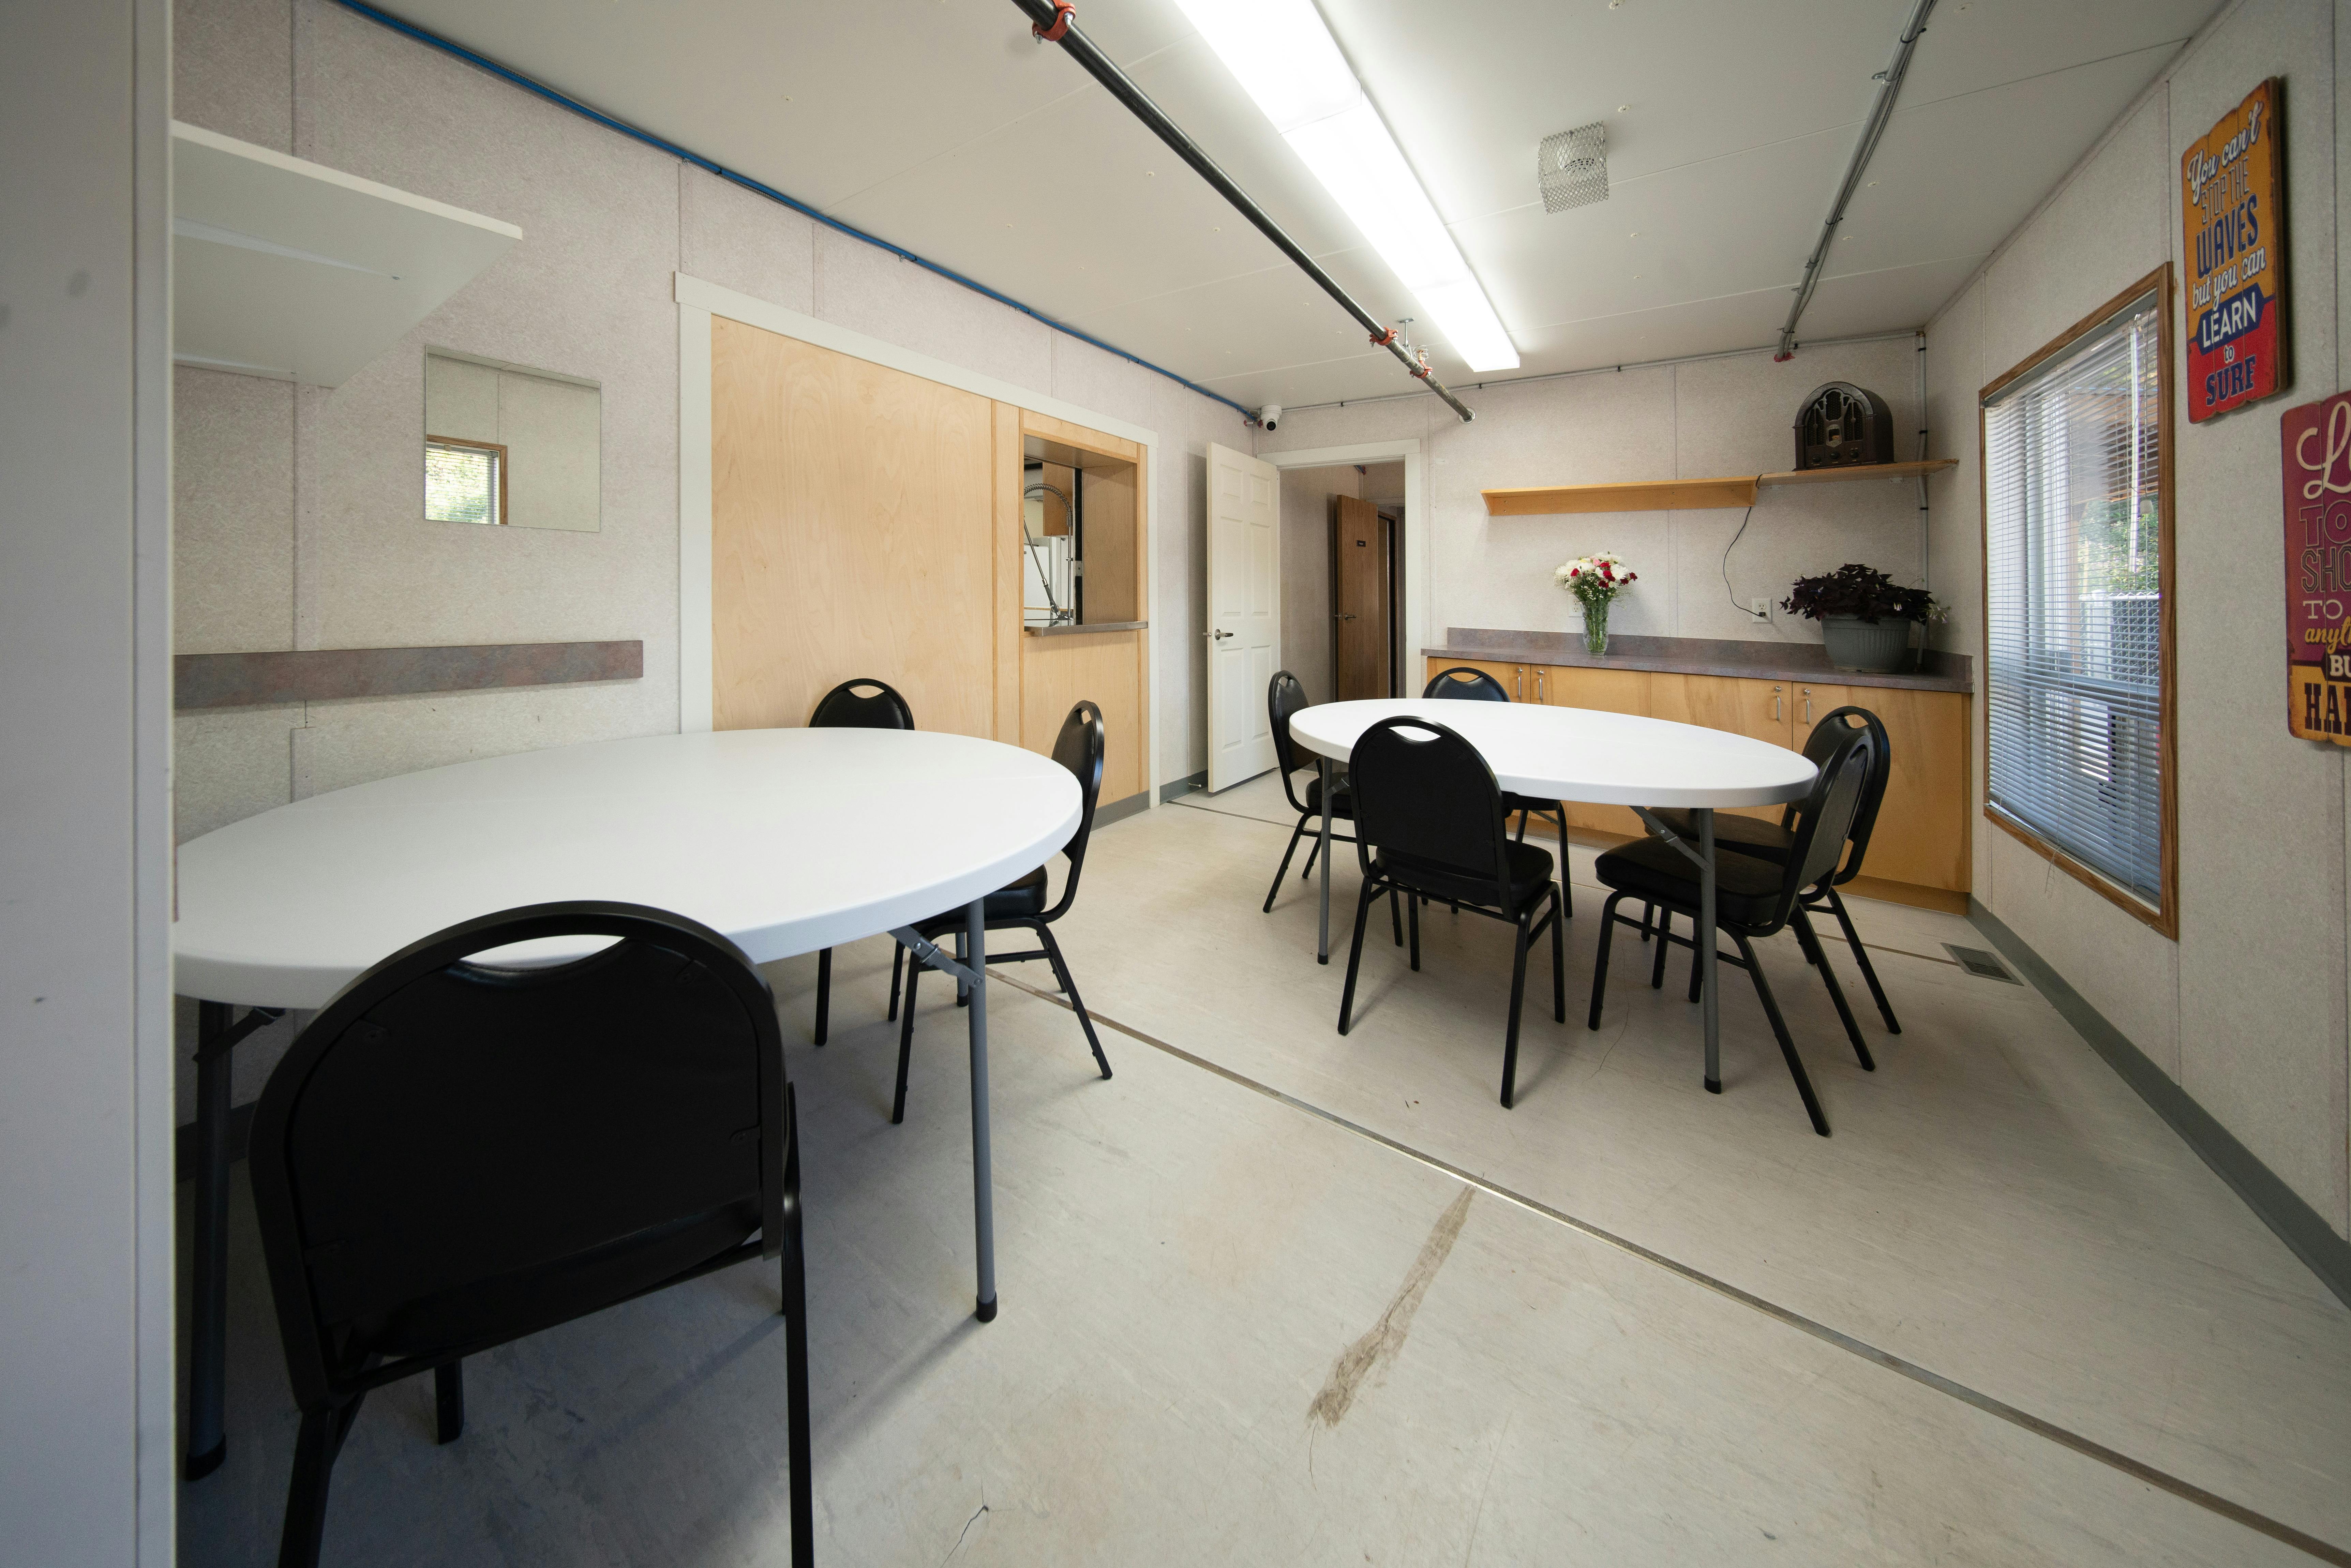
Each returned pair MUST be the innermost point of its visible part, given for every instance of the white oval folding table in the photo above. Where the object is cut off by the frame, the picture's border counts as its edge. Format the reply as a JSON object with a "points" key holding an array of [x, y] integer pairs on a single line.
{"points": [[787, 841], [1602, 758]]}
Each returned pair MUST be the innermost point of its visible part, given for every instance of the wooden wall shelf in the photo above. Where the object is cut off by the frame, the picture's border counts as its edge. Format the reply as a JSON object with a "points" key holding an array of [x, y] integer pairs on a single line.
{"points": [[1685, 495]]}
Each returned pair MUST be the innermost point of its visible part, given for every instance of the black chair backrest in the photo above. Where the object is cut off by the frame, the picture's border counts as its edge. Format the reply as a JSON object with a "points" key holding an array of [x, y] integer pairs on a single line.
{"points": [[1079, 748], [1873, 792], [1824, 819], [1285, 699], [1424, 793], [843, 708], [453, 1155], [1467, 684]]}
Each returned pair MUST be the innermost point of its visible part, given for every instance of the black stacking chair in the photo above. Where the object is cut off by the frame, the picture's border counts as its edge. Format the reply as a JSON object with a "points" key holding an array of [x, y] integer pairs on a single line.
{"points": [[1772, 842], [1429, 802], [843, 707], [452, 1156], [1285, 697], [1464, 683], [1753, 899], [1020, 906]]}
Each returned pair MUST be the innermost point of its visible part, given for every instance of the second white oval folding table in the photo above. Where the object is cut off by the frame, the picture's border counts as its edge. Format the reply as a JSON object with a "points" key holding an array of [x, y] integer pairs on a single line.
{"points": [[1600, 758], [787, 841]]}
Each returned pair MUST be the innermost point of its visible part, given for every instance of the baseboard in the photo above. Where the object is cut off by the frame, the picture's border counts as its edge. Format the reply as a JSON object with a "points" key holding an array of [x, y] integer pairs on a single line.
{"points": [[1185, 786], [1119, 810], [2276, 1204], [1908, 893]]}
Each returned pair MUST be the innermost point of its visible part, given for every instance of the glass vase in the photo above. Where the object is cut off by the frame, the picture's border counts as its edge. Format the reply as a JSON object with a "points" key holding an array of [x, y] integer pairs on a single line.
{"points": [[1596, 628]]}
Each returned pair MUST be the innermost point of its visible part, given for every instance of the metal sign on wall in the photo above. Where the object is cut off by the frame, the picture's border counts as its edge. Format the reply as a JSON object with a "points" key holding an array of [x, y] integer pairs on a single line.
{"points": [[2316, 462], [2232, 206]]}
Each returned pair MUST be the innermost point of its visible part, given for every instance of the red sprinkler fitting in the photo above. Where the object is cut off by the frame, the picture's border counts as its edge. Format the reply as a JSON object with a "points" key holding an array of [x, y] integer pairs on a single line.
{"points": [[1381, 341], [1064, 13]]}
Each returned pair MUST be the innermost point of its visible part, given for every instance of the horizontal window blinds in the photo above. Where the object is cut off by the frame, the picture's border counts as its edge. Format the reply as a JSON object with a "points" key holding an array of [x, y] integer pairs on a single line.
{"points": [[2074, 602]]}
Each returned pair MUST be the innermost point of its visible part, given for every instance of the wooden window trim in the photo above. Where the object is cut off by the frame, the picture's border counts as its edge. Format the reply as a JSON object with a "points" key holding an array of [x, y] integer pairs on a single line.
{"points": [[2163, 916], [498, 447]]}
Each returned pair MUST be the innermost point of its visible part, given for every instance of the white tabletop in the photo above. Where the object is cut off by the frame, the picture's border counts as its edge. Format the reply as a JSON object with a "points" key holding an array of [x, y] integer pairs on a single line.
{"points": [[1580, 754], [786, 840]]}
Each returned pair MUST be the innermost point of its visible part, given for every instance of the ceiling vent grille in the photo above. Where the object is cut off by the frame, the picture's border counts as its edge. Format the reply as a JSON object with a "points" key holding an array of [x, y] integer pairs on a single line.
{"points": [[1572, 168]]}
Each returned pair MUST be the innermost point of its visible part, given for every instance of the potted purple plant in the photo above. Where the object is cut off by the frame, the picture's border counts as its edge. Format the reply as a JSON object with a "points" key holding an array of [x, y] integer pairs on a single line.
{"points": [[1866, 617]]}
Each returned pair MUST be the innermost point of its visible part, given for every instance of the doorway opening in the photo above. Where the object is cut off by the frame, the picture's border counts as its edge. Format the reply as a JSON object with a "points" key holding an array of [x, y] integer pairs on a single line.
{"points": [[1343, 578]]}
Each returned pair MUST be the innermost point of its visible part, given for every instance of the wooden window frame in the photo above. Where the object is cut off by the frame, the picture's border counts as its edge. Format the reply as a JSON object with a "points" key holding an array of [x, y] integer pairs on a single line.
{"points": [[2164, 916], [498, 447]]}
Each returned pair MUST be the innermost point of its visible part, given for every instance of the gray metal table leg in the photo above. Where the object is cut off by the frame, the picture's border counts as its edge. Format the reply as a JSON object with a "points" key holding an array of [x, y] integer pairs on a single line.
{"points": [[1709, 994], [208, 1332], [983, 1204], [1322, 947]]}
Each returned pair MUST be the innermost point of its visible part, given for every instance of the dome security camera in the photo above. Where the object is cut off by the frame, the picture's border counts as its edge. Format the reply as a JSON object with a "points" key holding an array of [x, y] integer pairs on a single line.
{"points": [[1269, 415]]}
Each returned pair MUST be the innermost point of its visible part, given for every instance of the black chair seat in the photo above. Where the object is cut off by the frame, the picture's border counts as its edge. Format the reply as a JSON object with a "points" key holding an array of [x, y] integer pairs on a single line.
{"points": [[1342, 801], [1530, 876], [1746, 888], [1747, 835], [1023, 899]]}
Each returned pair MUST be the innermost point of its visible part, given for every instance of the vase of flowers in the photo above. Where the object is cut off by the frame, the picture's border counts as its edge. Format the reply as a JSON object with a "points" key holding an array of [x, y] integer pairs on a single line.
{"points": [[1595, 580], [1866, 618]]}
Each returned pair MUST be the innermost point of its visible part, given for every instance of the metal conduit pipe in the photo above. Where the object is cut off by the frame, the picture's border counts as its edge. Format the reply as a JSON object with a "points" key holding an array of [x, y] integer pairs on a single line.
{"points": [[1052, 22], [1881, 112]]}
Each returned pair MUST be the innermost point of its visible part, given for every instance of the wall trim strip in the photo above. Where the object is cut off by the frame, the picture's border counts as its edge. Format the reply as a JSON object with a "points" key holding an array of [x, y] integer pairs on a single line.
{"points": [[2276, 1204], [324, 674]]}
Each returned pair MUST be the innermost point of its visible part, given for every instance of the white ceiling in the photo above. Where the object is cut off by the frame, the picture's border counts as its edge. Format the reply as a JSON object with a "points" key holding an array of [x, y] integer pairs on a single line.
{"points": [[939, 125]]}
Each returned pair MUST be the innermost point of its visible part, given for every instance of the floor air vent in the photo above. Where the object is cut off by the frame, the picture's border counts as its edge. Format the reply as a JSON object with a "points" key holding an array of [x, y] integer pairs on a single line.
{"points": [[1976, 961]]}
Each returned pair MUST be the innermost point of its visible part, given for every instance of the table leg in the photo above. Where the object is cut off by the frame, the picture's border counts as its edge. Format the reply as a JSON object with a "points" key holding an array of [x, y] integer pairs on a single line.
{"points": [[208, 1335], [1322, 949], [1709, 994], [983, 1206]]}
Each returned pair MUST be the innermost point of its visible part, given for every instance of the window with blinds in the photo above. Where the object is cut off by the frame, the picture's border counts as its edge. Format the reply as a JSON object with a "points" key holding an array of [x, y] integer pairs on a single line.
{"points": [[2076, 530], [465, 481]]}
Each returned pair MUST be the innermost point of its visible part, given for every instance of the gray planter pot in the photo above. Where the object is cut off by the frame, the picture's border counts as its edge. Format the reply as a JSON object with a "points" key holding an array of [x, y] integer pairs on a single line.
{"points": [[1883, 649]]}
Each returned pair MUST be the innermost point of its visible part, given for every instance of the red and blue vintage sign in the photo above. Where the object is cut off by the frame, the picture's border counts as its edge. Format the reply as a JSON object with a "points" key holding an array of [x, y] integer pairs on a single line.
{"points": [[2315, 461], [2233, 202]]}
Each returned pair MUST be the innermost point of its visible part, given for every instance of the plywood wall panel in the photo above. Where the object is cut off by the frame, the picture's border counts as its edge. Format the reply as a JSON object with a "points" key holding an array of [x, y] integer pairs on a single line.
{"points": [[1105, 667], [851, 518]]}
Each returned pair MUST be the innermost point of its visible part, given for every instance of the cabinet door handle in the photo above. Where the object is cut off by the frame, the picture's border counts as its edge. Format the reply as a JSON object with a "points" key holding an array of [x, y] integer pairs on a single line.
{"points": [[1519, 681], [1808, 705], [1775, 704], [1539, 691]]}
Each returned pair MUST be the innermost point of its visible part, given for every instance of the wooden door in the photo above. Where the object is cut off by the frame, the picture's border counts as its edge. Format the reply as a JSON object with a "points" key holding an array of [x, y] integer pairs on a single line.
{"points": [[852, 528], [1358, 601], [1244, 628], [1763, 709], [1606, 691], [1512, 677], [1921, 837]]}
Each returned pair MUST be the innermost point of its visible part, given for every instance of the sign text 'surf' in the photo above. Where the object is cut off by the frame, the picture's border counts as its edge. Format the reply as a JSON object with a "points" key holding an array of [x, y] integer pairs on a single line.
{"points": [[2316, 464], [2232, 190]]}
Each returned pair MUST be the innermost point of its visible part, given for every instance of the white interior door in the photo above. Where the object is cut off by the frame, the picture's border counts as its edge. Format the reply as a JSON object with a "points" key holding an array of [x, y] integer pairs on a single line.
{"points": [[1244, 628]]}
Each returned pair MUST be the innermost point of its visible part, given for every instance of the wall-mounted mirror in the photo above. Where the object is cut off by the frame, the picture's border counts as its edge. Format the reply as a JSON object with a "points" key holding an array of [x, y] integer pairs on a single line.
{"points": [[506, 445]]}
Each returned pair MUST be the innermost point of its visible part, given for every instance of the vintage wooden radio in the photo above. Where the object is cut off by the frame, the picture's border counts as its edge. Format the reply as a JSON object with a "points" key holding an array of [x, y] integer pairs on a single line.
{"points": [[1842, 425]]}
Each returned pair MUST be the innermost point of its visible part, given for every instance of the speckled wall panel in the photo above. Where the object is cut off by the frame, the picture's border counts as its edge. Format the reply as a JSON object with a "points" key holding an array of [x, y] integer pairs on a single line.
{"points": [[323, 674]]}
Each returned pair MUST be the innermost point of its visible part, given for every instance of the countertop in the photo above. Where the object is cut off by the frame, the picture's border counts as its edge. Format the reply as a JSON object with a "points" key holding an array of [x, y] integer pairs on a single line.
{"points": [[1945, 672]]}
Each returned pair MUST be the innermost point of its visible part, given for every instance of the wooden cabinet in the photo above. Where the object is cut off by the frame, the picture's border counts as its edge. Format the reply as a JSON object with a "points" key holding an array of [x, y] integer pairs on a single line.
{"points": [[1919, 850]]}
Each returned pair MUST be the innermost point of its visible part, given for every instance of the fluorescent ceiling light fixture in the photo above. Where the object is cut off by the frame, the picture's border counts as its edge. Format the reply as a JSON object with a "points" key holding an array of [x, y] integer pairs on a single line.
{"points": [[1286, 60]]}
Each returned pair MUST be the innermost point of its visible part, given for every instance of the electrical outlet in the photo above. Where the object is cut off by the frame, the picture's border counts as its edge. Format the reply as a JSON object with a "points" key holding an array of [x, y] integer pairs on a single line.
{"points": [[1759, 608]]}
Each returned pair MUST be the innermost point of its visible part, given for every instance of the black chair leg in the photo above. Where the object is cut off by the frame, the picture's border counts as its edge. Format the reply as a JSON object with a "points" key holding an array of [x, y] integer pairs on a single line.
{"points": [[1600, 960], [796, 1368], [1523, 827], [1517, 995], [1313, 848], [1665, 943], [963, 956], [1355, 953], [1558, 959], [897, 970], [1284, 870], [1787, 1041], [823, 992], [1820, 957], [449, 1401], [905, 1041], [1069, 989], [1566, 889], [1860, 957], [1395, 914], [1648, 914], [315, 1448], [1413, 907]]}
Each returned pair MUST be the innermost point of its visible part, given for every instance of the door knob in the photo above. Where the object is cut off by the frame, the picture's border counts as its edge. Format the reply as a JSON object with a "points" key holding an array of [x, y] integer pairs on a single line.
{"points": [[1342, 617], [1219, 636]]}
